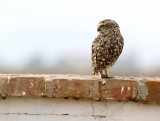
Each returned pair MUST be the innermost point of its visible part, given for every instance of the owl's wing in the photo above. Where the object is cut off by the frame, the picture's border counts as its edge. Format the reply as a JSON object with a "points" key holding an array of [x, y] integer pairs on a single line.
{"points": [[114, 46], [95, 46], [105, 51]]}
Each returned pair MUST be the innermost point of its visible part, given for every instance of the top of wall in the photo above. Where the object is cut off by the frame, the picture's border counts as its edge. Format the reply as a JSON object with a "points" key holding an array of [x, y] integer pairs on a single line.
{"points": [[80, 87]]}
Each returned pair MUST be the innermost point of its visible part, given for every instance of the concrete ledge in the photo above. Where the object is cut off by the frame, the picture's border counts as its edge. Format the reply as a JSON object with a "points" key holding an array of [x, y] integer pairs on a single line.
{"points": [[80, 87]]}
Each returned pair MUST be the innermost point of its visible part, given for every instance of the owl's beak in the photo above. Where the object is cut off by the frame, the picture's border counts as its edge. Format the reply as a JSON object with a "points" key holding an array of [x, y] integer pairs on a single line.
{"points": [[98, 28]]}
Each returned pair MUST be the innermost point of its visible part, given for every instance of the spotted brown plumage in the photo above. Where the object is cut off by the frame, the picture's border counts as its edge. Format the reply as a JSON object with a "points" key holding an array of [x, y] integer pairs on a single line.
{"points": [[107, 47]]}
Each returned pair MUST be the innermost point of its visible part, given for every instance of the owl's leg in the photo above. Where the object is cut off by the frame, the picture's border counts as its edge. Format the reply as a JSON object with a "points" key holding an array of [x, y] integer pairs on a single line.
{"points": [[104, 74], [107, 74]]}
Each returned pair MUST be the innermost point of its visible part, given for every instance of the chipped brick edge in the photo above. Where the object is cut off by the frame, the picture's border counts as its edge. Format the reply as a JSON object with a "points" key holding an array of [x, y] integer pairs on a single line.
{"points": [[142, 90]]}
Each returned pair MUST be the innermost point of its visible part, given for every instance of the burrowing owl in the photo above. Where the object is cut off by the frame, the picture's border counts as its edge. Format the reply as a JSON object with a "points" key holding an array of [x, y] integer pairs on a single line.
{"points": [[107, 47]]}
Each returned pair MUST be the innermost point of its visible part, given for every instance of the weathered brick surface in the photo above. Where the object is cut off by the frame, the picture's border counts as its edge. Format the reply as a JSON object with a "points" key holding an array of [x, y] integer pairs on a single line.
{"points": [[3, 86], [118, 89], [80, 86], [26, 86], [153, 90], [71, 86]]}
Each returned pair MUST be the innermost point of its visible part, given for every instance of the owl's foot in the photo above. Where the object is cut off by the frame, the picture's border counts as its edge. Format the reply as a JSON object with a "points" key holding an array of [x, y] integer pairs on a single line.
{"points": [[106, 77], [104, 74]]}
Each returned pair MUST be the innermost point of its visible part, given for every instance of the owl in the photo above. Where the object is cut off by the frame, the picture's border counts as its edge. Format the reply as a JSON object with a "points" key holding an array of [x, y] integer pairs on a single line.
{"points": [[107, 47]]}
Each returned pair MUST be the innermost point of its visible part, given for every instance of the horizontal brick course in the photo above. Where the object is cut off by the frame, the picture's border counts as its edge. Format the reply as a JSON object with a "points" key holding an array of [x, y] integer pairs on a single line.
{"points": [[153, 91], [3, 85], [119, 89], [80, 86], [70, 86], [26, 86]]}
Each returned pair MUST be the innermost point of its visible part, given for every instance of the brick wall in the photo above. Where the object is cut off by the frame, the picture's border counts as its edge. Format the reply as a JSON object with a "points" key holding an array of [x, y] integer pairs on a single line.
{"points": [[78, 97], [80, 87]]}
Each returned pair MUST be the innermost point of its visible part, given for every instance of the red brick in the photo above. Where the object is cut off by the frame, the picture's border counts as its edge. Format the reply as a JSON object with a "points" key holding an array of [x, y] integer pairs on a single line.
{"points": [[153, 90], [72, 86], [78, 86], [118, 89], [26, 85], [3, 86]]}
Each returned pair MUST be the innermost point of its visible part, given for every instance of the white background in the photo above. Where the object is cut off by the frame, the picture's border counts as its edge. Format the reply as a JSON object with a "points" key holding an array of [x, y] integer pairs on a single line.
{"points": [[59, 33]]}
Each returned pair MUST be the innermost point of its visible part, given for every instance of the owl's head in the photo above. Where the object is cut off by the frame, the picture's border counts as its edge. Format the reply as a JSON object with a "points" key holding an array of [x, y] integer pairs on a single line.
{"points": [[107, 25]]}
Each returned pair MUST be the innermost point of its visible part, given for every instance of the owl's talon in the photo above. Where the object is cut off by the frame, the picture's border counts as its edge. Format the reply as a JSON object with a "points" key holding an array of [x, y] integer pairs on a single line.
{"points": [[104, 76]]}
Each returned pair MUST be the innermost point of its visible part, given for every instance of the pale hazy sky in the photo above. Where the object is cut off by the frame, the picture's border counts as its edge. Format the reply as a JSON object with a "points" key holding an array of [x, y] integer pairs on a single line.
{"points": [[60, 27]]}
